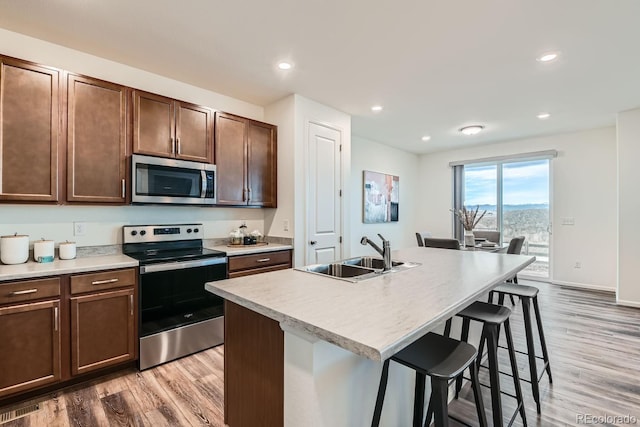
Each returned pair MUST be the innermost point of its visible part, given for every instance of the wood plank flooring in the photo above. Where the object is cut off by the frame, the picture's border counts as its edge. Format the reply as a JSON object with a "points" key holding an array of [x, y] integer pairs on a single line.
{"points": [[595, 361]]}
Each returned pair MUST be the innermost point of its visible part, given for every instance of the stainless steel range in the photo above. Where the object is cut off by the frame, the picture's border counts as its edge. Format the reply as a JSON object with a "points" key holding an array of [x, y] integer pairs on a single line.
{"points": [[177, 315]]}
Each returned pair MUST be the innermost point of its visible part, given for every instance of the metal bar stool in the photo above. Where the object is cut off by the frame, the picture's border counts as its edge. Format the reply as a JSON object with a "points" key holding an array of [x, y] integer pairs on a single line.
{"points": [[492, 317], [442, 359], [527, 294]]}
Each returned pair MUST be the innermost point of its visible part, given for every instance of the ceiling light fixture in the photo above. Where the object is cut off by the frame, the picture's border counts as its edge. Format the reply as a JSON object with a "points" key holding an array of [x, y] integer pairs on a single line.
{"points": [[426, 138], [471, 130], [548, 57], [376, 108], [285, 65], [543, 116]]}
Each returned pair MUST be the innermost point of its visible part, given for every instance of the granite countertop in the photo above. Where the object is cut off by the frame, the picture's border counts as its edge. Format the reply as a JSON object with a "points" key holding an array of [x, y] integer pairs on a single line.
{"points": [[32, 269], [374, 318], [249, 249]]}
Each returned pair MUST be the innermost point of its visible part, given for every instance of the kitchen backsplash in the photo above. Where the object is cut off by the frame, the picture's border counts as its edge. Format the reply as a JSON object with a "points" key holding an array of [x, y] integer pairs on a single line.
{"points": [[103, 225]]}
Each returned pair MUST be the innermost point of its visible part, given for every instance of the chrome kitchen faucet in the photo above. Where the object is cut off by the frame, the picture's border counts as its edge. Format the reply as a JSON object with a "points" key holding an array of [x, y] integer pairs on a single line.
{"points": [[385, 252]]}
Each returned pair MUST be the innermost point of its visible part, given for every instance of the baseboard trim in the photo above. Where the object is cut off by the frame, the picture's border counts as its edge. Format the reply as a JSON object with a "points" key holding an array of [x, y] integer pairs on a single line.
{"points": [[634, 304], [584, 286]]}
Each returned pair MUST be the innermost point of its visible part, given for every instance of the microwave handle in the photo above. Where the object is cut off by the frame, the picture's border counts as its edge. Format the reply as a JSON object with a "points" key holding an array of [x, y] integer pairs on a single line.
{"points": [[203, 186]]}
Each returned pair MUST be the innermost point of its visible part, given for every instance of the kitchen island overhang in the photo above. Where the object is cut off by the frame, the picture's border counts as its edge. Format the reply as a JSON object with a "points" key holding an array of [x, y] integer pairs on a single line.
{"points": [[332, 327]]}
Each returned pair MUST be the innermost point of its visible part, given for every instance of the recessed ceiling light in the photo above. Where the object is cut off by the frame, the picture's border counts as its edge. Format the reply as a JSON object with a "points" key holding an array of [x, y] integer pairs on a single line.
{"points": [[543, 116], [285, 65], [426, 138], [376, 108], [471, 130], [548, 57]]}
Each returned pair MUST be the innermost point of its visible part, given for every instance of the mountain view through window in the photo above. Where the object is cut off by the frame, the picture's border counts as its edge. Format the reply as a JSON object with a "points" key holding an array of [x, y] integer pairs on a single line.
{"points": [[516, 198]]}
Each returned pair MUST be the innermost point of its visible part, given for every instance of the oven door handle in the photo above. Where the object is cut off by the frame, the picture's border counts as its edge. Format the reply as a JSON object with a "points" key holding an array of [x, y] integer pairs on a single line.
{"points": [[179, 265]]}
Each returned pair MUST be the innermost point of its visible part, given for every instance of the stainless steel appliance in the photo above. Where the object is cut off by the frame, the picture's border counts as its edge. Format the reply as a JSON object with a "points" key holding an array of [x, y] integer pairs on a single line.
{"points": [[177, 315], [170, 181]]}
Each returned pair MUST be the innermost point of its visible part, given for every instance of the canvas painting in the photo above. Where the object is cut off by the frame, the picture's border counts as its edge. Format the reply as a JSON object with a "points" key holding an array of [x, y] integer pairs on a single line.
{"points": [[381, 197]]}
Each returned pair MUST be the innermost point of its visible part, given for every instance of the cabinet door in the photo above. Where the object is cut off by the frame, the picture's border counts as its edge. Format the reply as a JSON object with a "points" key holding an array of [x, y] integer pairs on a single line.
{"points": [[96, 141], [261, 165], [102, 330], [230, 159], [153, 125], [30, 337], [29, 114], [193, 133]]}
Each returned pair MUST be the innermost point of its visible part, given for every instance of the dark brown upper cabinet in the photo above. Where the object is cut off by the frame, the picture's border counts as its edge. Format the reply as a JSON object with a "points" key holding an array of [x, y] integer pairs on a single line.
{"points": [[29, 144], [96, 141], [246, 162], [166, 127]]}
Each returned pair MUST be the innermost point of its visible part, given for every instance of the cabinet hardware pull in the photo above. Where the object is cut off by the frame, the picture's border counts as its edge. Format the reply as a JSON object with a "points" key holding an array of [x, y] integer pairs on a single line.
{"points": [[248, 194], [313, 242], [103, 282], [25, 292], [123, 189], [263, 260], [55, 318], [131, 303], [244, 190], [173, 146], [178, 144]]}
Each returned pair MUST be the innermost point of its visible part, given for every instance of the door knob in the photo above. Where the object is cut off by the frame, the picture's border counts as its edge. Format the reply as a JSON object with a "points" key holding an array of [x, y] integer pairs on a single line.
{"points": [[313, 242]]}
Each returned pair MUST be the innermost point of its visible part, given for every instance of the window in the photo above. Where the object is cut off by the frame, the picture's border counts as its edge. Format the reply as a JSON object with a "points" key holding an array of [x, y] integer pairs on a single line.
{"points": [[515, 195]]}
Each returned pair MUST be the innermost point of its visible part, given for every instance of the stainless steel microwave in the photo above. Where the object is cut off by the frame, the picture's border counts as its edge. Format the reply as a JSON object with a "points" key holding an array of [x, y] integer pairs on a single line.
{"points": [[170, 181]]}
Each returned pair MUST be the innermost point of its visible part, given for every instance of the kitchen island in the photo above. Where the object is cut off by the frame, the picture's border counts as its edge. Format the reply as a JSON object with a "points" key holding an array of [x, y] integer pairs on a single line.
{"points": [[336, 333]]}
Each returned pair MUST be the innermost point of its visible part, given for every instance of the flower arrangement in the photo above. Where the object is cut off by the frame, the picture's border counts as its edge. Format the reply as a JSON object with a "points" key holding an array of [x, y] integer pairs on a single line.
{"points": [[468, 217]]}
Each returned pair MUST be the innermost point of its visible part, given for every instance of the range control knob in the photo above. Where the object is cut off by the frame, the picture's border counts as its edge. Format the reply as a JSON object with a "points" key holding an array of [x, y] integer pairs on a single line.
{"points": [[189, 230], [134, 232], [195, 230], [143, 232]]}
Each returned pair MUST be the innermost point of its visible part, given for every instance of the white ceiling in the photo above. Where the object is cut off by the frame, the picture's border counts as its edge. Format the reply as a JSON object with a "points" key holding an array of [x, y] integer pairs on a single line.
{"points": [[435, 65]]}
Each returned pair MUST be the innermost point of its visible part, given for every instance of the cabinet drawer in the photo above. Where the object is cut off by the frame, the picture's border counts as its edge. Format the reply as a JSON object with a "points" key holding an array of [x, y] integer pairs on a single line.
{"points": [[29, 290], [265, 259], [104, 280]]}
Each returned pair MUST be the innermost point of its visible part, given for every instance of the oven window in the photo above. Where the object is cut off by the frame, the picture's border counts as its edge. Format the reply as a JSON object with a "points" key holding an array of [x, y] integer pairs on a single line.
{"points": [[170, 299], [157, 180]]}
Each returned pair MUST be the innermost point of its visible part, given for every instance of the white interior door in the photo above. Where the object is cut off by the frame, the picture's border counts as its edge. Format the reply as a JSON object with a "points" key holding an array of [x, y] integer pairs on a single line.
{"points": [[324, 207]]}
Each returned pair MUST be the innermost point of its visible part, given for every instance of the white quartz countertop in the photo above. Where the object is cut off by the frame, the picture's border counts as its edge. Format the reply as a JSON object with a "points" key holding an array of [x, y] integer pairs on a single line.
{"points": [[33, 269], [374, 318], [250, 249]]}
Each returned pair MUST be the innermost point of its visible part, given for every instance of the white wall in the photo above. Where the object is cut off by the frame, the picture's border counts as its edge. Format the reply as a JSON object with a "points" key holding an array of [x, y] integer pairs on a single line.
{"points": [[584, 187], [372, 156], [282, 114], [628, 207], [292, 115], [105, 222]]}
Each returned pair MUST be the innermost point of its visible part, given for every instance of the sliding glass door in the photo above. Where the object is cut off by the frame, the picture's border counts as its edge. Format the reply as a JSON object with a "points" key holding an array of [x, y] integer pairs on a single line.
{"points": [[515, 195]]}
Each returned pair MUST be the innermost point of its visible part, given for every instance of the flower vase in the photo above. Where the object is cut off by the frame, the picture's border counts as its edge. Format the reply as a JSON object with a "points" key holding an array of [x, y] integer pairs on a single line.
{"points": [[469, 239]]}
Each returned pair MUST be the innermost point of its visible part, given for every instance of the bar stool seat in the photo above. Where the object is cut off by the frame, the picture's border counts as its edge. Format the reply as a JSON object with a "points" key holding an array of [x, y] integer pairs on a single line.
{"points": [[528, 295], [517, 290], [442, 359], [492, 318]]}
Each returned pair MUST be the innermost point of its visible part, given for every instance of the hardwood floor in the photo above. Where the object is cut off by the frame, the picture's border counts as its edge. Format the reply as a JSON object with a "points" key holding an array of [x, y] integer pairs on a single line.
{"points": [[594, 347]]}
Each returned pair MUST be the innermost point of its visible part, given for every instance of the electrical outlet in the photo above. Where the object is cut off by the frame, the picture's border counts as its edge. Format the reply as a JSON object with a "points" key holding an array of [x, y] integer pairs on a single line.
{"points": [[285, 225], [578, 264], [79, 228]]}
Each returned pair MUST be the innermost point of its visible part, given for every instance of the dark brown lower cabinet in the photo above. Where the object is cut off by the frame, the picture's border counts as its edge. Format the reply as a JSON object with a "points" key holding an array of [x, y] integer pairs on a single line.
{"points": [[253, 369], [30, 352], [56, 329], [102, 330]]}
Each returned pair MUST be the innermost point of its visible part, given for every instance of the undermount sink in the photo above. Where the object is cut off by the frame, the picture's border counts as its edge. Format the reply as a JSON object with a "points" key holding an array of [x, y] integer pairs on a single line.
{"points": [[357, 269]]}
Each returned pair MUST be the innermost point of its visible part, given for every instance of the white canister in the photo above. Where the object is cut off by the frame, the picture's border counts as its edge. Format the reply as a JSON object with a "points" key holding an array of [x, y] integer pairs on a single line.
{"points": [[14, 249], [67, 250], [43, 250]]}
